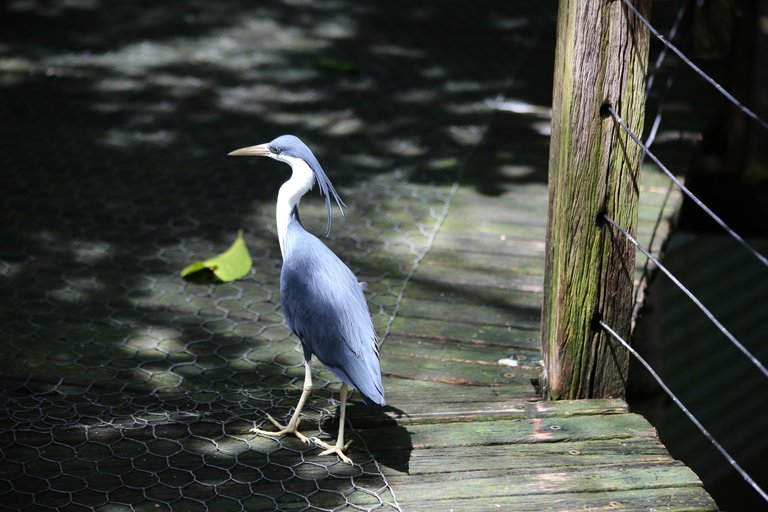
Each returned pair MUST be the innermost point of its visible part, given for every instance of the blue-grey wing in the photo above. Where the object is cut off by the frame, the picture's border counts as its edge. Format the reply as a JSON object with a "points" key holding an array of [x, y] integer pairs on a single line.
{"points": [[324, 305]]}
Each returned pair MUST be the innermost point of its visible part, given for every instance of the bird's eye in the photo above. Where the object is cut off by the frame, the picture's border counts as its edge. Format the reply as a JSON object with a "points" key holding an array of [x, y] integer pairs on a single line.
{"points": [[275, 150]]}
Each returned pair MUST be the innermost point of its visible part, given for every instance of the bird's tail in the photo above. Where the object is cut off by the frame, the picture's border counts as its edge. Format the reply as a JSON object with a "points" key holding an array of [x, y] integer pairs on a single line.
{"points": [[369, 385]]}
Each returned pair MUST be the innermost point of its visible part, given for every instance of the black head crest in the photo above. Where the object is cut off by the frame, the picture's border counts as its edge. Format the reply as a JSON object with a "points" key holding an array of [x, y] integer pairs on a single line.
{"points": [[293, 146]]}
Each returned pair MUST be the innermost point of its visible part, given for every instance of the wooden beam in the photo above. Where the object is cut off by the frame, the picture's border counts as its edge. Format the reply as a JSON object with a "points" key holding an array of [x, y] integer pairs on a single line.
{"points": [[601, 59]]}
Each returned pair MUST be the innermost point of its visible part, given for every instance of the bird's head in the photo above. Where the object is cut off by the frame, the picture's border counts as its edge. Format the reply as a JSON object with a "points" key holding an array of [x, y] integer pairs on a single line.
{"points": [[289, 149]]}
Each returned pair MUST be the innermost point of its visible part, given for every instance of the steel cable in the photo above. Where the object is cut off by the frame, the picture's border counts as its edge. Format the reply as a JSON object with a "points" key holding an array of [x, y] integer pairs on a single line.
{"points": [[685, 410]]}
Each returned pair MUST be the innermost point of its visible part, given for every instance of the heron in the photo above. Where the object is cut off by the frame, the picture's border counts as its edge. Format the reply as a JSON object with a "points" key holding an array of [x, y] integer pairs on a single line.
{"points": [[323, 302]]}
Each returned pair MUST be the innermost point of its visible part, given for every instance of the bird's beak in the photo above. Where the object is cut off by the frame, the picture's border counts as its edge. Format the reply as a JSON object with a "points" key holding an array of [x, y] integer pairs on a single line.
{"points": [[260, 150]]}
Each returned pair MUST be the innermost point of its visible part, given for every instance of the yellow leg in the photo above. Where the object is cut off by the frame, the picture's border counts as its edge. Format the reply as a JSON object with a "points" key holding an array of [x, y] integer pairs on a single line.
{"points": [[339, 448], [293, 424]]}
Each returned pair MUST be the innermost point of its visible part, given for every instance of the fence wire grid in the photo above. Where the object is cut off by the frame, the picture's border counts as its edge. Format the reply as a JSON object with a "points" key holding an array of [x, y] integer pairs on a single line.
{"points": [[645, 146], [125, 387]]}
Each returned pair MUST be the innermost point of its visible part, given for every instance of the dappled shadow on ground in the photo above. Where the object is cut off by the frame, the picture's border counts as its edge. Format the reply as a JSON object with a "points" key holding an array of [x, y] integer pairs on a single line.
{"points": [[117, 122]]}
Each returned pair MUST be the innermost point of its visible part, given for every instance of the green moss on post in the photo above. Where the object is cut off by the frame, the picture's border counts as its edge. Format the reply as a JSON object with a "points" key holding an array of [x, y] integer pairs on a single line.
{"points": [[601, 58]]}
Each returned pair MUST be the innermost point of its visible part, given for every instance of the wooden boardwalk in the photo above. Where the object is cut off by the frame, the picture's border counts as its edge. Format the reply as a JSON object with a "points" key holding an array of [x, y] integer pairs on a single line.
{"points": [[461, 364]]}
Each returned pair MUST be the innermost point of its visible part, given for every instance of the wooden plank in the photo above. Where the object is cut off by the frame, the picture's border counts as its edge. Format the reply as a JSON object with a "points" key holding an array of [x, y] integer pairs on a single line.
{"points": [[507, 337], [541, 456], [530, 482], [515, 228], [649, 213], [409, 391], [491, 314], [506, 207], [474, 404], [527, 265], [667, 499], [530, 197], [453, 372], [485, 278], [422, 289], [460, 352], [404, 413], [489, 244], [553, 429], [518, 224]]}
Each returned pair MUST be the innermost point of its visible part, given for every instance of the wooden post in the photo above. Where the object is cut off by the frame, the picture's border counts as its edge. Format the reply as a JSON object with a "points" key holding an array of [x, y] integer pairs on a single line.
{"points": [[601, 58]]}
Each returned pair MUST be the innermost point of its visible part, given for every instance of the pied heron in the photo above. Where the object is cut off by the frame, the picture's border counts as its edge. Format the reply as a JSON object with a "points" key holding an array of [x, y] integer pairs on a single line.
{"points": [[323, 302]]}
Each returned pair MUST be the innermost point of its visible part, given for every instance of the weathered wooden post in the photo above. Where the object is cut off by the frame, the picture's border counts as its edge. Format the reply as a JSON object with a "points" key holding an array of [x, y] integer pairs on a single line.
{"points": [[600, 59]]}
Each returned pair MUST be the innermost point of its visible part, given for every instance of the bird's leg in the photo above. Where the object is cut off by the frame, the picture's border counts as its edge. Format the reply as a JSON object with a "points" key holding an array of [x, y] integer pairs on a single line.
{"points": [[293, 424], [339, 448]]}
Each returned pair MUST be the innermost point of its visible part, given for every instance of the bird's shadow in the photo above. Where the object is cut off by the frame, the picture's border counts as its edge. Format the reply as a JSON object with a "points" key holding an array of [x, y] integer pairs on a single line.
{"points": [[375, 430]]}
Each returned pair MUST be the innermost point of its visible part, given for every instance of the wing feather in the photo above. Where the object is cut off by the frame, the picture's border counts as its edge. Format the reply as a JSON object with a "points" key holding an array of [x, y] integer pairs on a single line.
{"points": [[324, 305]]}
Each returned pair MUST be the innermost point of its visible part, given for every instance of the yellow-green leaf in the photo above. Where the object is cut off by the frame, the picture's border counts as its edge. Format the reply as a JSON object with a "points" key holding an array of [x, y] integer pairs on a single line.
{"points": [[232, 264]]}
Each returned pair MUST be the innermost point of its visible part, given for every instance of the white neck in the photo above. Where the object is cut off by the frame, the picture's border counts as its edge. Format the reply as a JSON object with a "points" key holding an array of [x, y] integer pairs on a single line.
{"points": [[291, 192]]}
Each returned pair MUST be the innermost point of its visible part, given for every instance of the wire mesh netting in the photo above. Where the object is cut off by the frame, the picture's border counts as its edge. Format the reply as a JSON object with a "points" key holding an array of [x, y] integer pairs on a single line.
{"points": [[128, 388], [150, 396]]}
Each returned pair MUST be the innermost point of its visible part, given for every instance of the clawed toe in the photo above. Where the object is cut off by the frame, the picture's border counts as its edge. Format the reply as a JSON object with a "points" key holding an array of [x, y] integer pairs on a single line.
{"points": [[337, 449], [283, 430], [293, 425], [339, 452]]}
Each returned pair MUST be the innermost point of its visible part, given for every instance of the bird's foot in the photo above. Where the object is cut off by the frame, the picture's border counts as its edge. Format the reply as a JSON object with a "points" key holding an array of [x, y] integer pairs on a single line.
{"points": [[283, 430], [339, 448]]}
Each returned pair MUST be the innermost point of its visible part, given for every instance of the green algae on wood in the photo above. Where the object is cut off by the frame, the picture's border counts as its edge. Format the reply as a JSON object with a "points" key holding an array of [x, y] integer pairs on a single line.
{"points": [[600, 61]]}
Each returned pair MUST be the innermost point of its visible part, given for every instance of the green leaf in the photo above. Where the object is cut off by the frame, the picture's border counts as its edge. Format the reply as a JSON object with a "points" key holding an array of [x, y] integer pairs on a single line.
{"points": [[232, 264]]}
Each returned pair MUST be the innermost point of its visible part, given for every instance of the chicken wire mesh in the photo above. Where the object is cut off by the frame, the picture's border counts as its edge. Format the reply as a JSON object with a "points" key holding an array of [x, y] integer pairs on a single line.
{"points": [[149, 399], [128, 388]]}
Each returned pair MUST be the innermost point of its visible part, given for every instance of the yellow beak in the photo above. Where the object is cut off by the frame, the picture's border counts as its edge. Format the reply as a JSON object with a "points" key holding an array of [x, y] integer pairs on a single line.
{"points": [[260, 150]]}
